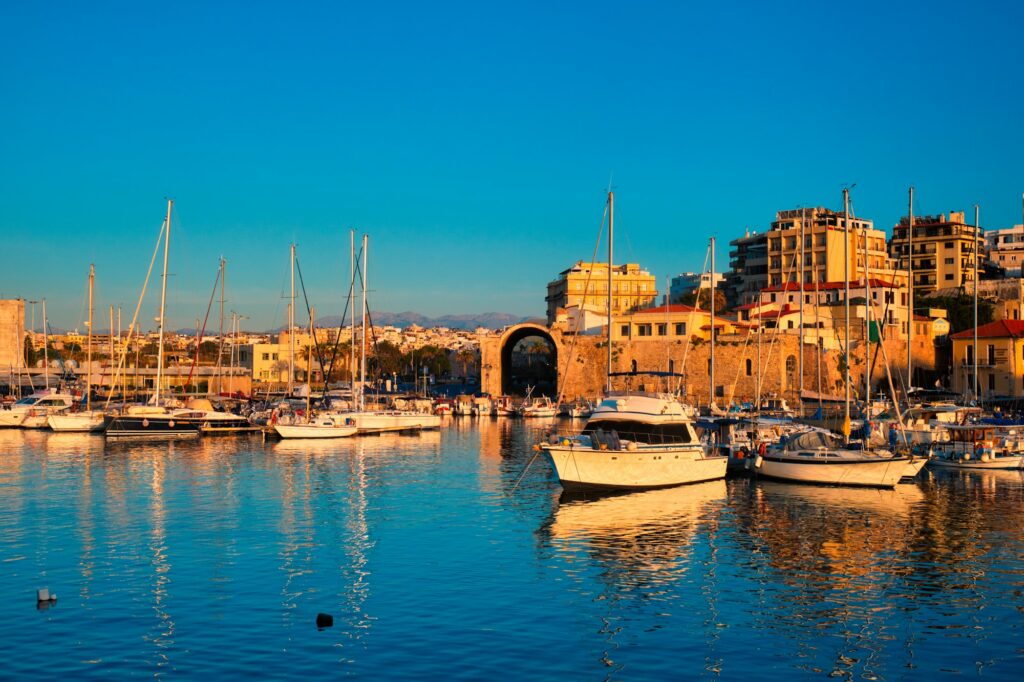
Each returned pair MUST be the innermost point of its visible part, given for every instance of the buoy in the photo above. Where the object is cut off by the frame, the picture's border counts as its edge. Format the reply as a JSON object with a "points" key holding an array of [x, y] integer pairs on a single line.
{"points": [[758, 461], [43, 595], [324, 620]]}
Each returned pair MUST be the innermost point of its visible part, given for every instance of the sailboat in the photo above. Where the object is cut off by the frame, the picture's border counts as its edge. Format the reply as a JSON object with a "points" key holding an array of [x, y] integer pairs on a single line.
{"points": [[89, 420], [155, 420], [632, 440], [379, 421], [817, 456]]}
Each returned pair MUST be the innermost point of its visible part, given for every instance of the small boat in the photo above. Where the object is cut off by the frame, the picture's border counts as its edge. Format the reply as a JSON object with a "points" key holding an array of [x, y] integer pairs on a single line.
{"points": [[32, 412], [326, 426], [975, 446], [537, 407], [87, 421], [503, 406], [381, 421], [150, 422], [481, 406], [443, 407], [463, 406], [579, 409], [819, 457]]}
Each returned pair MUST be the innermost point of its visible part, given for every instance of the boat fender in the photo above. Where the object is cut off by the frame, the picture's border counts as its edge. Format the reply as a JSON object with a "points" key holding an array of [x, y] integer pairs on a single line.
{"points": [[758, 461], [967, 456], [565, 441], [631, 446], [145, 423], [985, 457], [171, 423]]}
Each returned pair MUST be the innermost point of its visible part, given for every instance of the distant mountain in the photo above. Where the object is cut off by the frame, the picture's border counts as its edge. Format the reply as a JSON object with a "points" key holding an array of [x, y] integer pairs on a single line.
{"points": [[405, 319]]}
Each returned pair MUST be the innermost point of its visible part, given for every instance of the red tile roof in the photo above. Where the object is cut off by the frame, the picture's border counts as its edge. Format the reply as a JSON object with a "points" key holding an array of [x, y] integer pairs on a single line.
{"points": [[1000, 329], [670, 308]]}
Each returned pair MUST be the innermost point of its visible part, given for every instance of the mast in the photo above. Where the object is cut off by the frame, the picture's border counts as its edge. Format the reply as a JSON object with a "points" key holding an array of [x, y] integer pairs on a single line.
{"points": [[362, 357], [88, 344], [976, 228], [309, 362], [163, 306], [220, 348], [611, 233], [711, 371], [846, 290], [46, 348], [291, 328], [352, 313], [800, 343], [111, 328], [910, 294]]}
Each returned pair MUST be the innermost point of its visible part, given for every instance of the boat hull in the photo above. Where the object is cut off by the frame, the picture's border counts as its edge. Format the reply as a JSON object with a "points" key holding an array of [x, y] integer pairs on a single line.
{"points": [[381, 422], [1011, 462], [583, 468], [314, 431], [151, 427], [867, 472], [79, 422]]}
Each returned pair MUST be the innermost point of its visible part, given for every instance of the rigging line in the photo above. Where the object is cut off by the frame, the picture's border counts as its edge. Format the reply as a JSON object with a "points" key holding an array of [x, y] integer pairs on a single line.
{"points": [[586, 288], [341, 327], [743, 357], [202, 332], [775, 332], [135, 316]]}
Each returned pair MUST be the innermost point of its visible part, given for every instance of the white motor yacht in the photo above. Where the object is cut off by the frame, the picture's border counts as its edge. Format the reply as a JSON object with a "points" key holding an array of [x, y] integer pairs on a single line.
{"points": [[87, 421], [634, 441], [33, 411]]}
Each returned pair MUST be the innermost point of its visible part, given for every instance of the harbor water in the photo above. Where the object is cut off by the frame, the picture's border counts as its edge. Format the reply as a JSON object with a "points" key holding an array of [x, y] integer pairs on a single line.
{"points": [[214, 558]]}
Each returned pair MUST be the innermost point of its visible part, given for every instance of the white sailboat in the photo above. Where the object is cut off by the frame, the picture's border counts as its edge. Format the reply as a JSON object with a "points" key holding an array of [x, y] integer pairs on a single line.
{"points": [[816, 456], [379, 421], [632, 440], [89, 420]]}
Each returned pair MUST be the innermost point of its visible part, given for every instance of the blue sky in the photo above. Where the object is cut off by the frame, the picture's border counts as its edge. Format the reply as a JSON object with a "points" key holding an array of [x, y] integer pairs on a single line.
{"points": [[474, 141]]}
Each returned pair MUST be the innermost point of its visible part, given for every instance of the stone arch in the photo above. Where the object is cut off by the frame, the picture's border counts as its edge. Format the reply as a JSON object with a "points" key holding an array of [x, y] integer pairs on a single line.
{"points": [[509, 339]]}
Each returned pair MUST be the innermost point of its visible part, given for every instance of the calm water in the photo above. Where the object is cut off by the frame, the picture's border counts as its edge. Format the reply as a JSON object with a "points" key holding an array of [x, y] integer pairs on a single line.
{"points": [[215, 557]]}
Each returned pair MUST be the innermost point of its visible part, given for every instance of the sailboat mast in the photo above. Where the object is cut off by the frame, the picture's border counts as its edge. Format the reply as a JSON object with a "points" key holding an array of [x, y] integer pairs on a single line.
{"points": [[46, 348], [163, 306], [352, 313], [976, 232], [362, 357], [111, 328], [220, 348], [846, 290], [88, 344], [711, 371], [291, 328], [611, 237], [910, 293], [309, 362]]}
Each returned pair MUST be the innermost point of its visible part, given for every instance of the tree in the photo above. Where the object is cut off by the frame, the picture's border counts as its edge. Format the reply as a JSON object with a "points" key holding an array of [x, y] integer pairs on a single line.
{"points": [[30, 352], [387, 358], [208, 351], [704, 299]]}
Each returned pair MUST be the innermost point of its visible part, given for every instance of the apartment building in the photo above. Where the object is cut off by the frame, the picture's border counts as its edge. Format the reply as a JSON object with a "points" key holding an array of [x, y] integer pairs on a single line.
{"points": [[945, 248], [585, 284]]}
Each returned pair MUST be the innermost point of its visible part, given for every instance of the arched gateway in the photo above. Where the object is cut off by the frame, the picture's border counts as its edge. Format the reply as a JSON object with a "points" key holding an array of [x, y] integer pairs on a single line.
{"points": [[507, 370]]}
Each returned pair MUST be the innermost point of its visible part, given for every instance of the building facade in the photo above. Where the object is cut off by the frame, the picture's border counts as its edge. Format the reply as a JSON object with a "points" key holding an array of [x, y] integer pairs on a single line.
{"points": [[688, 282], [1000, 360], [12, 333], [748, 268], [1005, 248], [945, 249], [585, 284]]}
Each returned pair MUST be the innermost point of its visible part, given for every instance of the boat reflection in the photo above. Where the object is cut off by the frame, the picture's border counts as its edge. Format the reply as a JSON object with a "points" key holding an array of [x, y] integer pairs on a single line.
{"points": [[645, 533]]}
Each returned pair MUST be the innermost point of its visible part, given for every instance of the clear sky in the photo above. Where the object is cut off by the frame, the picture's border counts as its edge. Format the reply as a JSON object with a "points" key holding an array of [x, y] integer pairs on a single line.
{"points": [[473, 141]]}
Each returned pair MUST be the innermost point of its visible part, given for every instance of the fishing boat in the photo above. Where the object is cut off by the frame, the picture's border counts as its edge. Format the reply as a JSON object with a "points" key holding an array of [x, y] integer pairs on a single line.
{"points": [[632, 440], [975, 446], [503, 406], [537, 407]]}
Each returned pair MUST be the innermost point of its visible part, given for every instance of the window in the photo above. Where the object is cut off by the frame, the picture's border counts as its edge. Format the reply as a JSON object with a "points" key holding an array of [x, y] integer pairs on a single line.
{"points": [[663, 329], [821, 240], [991, 354], [671, 366], [643, 330], [273, 356], [970, 354], [680, 329], [949, 261], [949, 276], [266, 356], [625, 330], [773, 298], [948, 245], [633, 365], [991, 381]]}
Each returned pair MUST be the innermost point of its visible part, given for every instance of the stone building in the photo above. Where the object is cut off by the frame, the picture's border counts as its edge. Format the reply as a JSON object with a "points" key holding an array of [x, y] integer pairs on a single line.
{"points": [[585, 284], [1005, 248], [12, 333]]}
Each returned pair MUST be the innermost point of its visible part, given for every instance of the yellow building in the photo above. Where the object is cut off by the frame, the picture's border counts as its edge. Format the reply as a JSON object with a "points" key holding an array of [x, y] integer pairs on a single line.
{"points": [[585, 284], [823, 253], [944, 250], [1000, 359], [671, 323], [268, 362]]}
